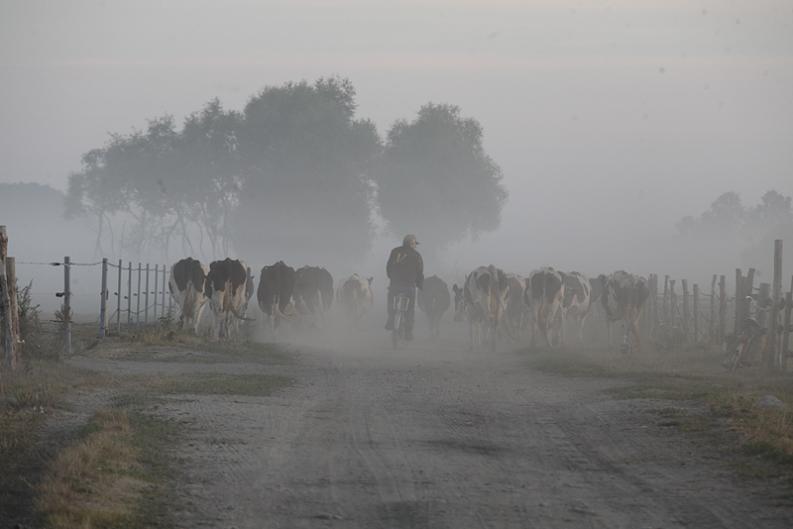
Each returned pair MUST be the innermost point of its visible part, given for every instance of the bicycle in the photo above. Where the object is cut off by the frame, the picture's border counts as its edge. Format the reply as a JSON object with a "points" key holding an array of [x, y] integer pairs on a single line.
{"points": [[401, 304]]}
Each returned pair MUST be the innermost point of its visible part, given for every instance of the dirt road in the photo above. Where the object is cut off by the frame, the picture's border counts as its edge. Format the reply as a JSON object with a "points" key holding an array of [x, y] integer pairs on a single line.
{"points": [[368, 437]]}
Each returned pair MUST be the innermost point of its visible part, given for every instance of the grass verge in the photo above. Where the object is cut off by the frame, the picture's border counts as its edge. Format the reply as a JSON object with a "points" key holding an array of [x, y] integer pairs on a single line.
{"points": [[764, 434], [114, 475]]}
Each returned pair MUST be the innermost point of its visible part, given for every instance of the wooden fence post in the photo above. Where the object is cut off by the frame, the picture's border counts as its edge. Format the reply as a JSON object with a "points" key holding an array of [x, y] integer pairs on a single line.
{"points": [[8, 340], [673, 312], [665, 301], [696, 314], [118, 297], [722, 308], [776, 297], [11, 281], [137, 308], [712, 322], [129, 296], [103, 301], [786, 329], [739, 302], [156, 286], [686, 311], [146, 298], [164, 285], [67, 306]]}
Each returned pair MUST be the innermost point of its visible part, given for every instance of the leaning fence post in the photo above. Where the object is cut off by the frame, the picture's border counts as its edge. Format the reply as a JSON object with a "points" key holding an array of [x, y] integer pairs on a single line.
{"points": [[156, 286], [67, 306], [776, 297], [103, 300], [722, 307], [146, 298], [118, 296], [137, 308]]}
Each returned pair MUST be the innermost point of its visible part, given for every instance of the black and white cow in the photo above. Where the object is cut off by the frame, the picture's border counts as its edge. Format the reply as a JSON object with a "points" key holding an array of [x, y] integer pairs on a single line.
{"points": [[623, 297], [482, 301], [577, 301], [434, 300], [544, 294], [274, 294], [313, 292], [227, 287], [186, 284]]}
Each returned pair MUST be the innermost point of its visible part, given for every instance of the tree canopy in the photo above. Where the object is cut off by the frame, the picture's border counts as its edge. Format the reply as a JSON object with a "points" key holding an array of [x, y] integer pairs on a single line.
{"points": [[436, 178], [295, 175]]}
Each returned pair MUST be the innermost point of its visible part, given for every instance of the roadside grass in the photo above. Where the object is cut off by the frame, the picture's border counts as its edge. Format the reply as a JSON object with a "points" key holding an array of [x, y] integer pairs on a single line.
{"points": [[116, 470], [114, 475], [27, 397], [167, 345], [764, 434]]}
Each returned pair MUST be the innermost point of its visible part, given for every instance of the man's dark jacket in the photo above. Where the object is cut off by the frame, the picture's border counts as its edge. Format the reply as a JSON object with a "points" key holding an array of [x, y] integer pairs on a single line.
{"points": [[405, 267]]}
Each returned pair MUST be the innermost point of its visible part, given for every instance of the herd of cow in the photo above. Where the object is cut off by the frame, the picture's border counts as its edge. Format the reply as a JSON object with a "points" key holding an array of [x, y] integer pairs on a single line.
{"points": [[491, 301], [283, 293]]}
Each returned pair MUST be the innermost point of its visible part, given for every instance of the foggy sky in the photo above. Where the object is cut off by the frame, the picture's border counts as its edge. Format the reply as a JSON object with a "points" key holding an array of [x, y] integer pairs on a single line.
{"points": [[610, 120]]}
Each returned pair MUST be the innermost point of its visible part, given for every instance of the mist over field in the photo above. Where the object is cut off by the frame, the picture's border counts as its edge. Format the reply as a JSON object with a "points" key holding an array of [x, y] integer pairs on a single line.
{"points": [[570, 134]]}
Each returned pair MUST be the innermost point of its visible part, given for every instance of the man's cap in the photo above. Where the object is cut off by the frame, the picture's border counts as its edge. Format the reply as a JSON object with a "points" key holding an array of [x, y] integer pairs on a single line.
{"points": [[409, 238]]}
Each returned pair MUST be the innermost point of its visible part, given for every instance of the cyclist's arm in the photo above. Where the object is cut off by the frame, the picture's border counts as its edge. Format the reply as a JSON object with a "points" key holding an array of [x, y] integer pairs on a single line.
{"points": [[420, 272]]}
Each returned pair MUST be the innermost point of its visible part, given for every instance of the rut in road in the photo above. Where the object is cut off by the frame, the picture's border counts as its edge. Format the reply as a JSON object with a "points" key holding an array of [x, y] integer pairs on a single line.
{"points": [[447, 438]]}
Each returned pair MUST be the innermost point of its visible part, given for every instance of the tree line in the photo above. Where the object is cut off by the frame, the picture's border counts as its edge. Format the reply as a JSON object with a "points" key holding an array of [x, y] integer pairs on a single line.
{"points": [[294, 168]]}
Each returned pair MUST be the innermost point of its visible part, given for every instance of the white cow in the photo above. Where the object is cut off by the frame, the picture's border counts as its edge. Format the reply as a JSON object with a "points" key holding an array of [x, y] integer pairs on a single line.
{"points": [[482, 301], [355, 297]]}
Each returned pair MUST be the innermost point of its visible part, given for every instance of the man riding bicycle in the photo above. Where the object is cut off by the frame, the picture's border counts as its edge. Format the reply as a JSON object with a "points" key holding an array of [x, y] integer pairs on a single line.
{"points": [[405, 270]]}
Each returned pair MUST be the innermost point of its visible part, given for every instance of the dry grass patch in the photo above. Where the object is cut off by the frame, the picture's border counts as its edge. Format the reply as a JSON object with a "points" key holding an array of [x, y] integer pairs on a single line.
{"points": [[93, 483], [765, 434]]}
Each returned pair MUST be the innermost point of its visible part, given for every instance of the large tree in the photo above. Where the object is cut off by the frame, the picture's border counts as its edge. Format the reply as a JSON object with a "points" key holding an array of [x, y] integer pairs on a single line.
{"points": [[435, 178], [307, 164]]}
